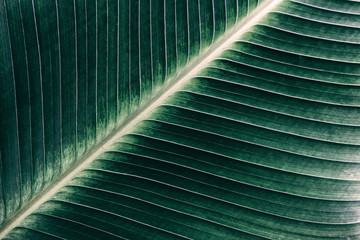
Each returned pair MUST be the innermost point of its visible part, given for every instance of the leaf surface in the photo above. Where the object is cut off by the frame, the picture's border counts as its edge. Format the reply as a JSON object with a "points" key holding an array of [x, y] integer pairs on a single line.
{"points": [[261, 143]]}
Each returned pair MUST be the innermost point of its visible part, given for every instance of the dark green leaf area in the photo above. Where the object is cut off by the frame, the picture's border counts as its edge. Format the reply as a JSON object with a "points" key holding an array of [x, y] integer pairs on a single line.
{"points": [[59, 227], [26, 233], [280, 103], [246, 175], [292, 59], [231, 13], [323, 14], [333, 5], [295, 87], [158, 42], [263, 137], [278, 121], [136, 185], [288, 69], [169, 224], [219, 18], [251, 153], [322, 30], [241, 132], [294, 42]]}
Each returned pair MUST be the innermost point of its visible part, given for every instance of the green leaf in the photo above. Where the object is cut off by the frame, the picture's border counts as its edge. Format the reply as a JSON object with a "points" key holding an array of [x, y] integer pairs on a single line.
{"points": [[195, 119]]}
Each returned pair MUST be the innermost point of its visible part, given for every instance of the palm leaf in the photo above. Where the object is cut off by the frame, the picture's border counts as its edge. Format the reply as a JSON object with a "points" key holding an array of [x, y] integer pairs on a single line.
{"points": [[180, 119]]}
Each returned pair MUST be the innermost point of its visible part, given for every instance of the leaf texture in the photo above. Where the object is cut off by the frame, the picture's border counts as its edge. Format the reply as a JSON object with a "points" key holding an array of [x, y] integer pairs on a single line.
{"points": [[72, 71], [263, 143]]}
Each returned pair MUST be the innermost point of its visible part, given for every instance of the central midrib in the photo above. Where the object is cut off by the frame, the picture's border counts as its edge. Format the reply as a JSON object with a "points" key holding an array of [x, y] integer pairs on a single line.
{"points": [[173, 85]]}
